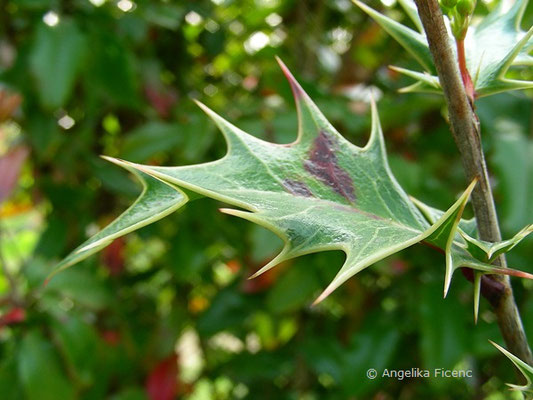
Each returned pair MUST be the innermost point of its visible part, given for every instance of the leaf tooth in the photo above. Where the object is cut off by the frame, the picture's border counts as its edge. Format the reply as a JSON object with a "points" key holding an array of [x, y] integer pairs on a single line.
{"points": [[517, 11], [477, 291], [451, 264], [446, 227], [480, 268], [299, 94], [310, 119], [504, 85], [120, 162], [414, 42], [419, 87], [285, 253], [510, 57], [448, 274], [345, 273], [493, 269], [296, 88], [511, 16], [233, 135], [524, 368], [459, 204], [282, 256], [324, 294], [424, 77], [524, 59], [376, 142], [139, 168]]}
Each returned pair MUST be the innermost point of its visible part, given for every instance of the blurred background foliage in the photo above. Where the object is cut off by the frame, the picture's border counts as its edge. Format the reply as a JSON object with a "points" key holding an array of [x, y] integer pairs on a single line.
{"points": [[167, 312]]}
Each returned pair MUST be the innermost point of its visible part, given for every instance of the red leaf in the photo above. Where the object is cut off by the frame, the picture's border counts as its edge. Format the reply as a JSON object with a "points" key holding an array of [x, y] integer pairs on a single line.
{"points": [[111, 337], [162, 383], [234, 265], [113, 256], [263, 281], [161, 100], [10, 165], [9, 102], [14, 316]]}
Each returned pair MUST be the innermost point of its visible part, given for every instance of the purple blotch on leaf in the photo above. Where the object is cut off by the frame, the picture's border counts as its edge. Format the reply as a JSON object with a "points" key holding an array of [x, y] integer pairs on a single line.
{"points": [[297, 188], [323, 164]]}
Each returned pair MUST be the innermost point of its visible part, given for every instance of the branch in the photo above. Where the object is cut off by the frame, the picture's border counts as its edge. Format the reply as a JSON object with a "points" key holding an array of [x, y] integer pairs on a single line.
{"points": [[465, 130]]}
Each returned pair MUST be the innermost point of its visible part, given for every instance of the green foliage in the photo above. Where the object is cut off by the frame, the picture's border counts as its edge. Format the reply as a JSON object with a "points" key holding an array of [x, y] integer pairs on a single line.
{"points": [[57, 50], [108, 327], [39, 370]]}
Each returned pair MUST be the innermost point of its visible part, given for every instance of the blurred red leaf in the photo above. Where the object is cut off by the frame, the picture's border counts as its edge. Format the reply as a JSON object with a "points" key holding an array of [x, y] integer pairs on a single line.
{"points": [[9, 103], [234, 265], [399, 266], [10, 165], [111, 337], [161, 100], [162, 383], [13, 316], [263, 281], [113, 256]]}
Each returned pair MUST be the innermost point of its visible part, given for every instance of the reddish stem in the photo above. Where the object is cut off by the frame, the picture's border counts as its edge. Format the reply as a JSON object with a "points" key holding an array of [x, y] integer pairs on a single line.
{"points": [[465, 76]]}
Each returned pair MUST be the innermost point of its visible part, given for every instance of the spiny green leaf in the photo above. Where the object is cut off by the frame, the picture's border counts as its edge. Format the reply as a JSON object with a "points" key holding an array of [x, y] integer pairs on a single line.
{"points": [[489, 251], [492, 47], [157, 200], [412, 41], [524, 368], [452, 237], [318, 193], [466, 233]]}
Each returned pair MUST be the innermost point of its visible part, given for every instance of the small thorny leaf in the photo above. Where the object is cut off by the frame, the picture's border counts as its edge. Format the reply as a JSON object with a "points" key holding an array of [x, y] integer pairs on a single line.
{"points": [[492, 46], [524, 368]]}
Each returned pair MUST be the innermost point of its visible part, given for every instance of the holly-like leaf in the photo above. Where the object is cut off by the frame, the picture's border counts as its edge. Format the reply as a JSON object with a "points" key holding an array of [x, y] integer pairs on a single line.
{"points": [[524, 368], [318, 193], [492, 46]]}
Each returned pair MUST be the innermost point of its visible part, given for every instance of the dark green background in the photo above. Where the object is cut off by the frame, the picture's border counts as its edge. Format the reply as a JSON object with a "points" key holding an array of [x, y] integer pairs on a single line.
{"points": [[126, 79]]}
